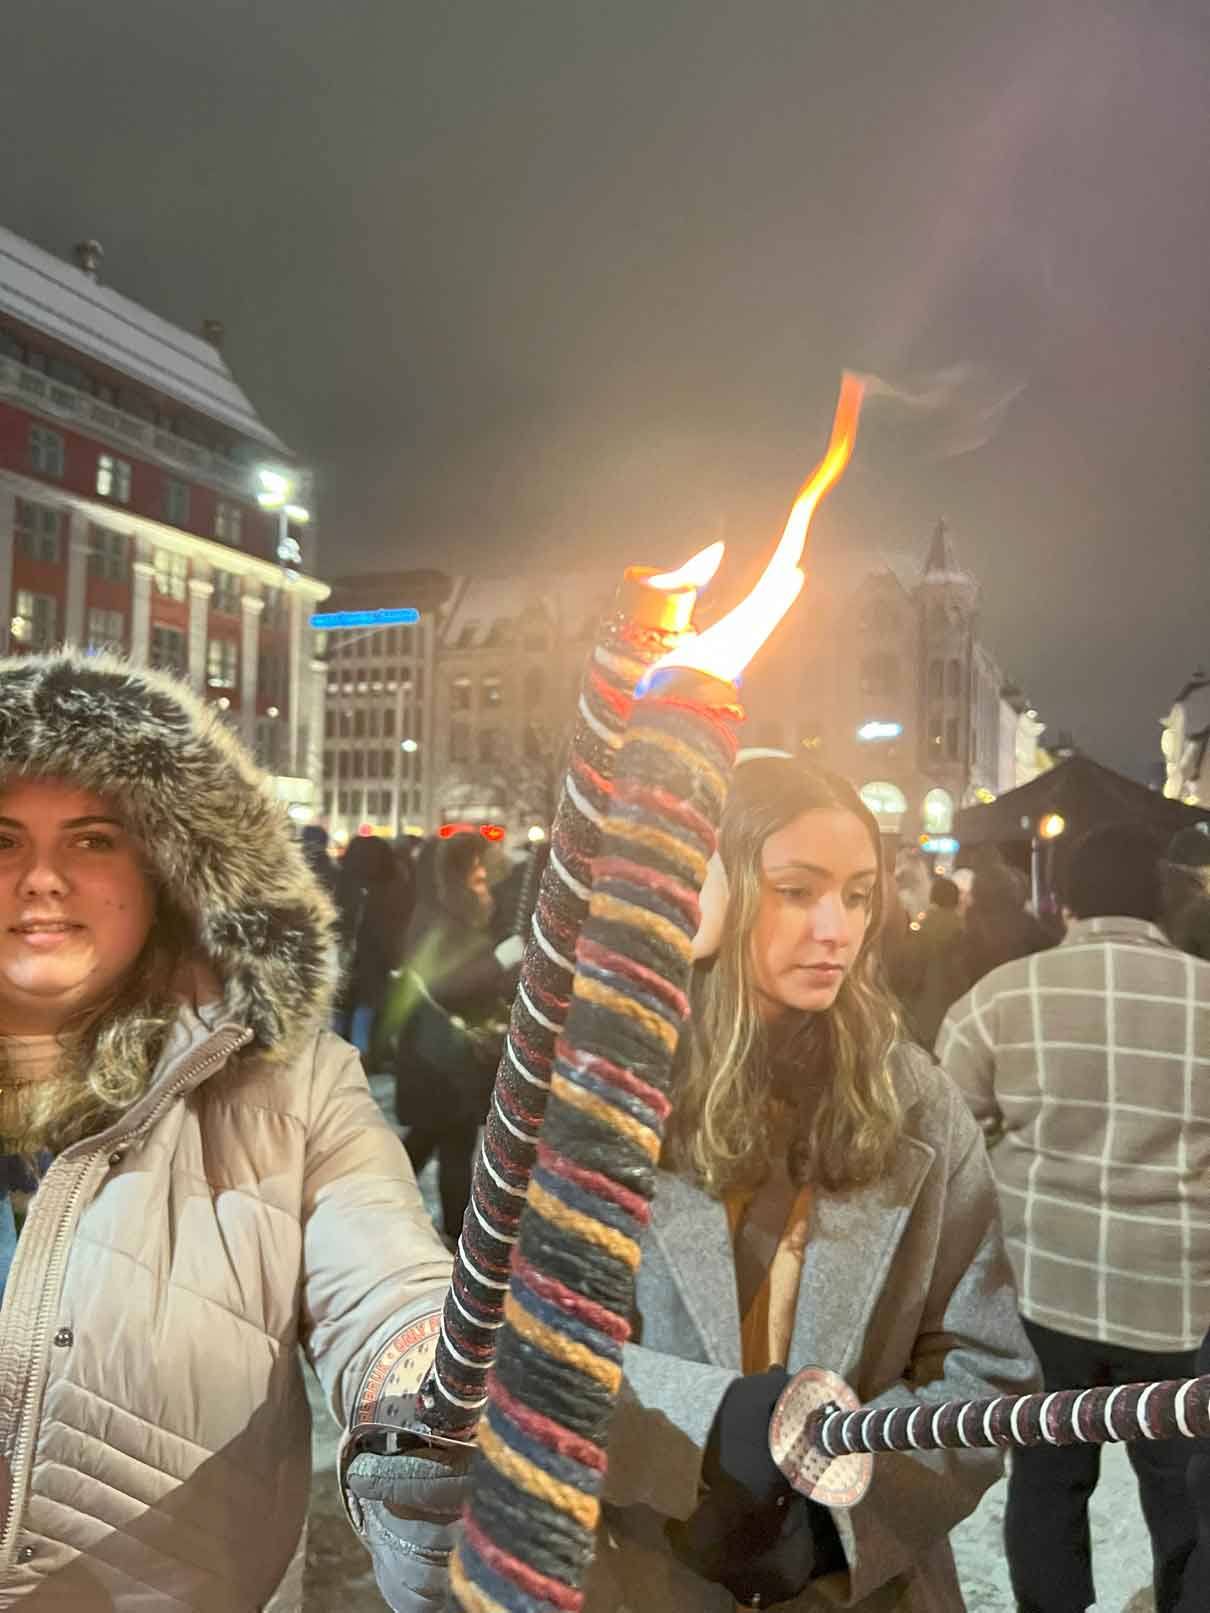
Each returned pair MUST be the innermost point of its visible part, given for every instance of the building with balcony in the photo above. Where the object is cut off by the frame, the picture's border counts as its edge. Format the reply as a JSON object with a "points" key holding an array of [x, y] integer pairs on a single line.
{"points": [[378, 747], [130, 464]]}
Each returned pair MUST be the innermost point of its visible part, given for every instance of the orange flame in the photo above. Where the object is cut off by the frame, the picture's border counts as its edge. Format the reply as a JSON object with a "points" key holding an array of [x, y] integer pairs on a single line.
{"points": [[725, 649], [695, 573]]}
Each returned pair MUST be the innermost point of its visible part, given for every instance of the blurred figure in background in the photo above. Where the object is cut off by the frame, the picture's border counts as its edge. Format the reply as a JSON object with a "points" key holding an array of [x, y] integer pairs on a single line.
{"points": [[374, 901], [443, 1028], [997, 926], [1085, 1066], [940, 971], [1186, 879], [314, 840]]}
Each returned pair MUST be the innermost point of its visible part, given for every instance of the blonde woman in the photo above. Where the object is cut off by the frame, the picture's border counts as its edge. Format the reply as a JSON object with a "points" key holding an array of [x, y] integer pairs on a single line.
{"points": [[826, 1201], [208, 1184]]}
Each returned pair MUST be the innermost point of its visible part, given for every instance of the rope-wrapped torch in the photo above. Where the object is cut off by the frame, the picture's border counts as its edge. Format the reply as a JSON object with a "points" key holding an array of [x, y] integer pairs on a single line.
{"points": [[651, 615], [531, 1522], [824, 1441]]}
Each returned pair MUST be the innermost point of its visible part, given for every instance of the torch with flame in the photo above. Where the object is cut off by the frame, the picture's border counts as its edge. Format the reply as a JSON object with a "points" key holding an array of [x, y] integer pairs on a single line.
{"points": [[530, 1524]]}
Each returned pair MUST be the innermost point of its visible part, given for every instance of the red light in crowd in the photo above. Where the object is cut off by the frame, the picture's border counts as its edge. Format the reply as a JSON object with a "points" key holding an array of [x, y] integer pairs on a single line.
{"points": [[365, 829], [489, 831]]}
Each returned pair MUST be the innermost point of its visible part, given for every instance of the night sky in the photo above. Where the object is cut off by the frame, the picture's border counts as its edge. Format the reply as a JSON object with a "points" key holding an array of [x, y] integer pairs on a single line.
{"points": [[565, 279]]}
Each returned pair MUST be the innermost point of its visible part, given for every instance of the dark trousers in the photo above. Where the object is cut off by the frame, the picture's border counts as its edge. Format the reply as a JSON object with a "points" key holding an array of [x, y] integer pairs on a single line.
{"points": [[1046, 1535], [1195, 1588], [455, 1149]]}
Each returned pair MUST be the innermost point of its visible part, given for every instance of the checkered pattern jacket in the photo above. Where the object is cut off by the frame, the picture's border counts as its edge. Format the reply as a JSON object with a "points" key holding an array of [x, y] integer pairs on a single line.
{"points": [[1088, 1067]]}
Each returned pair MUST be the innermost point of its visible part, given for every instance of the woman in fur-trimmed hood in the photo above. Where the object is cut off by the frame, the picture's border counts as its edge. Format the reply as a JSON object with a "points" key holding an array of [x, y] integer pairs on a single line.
{"points": [[211, 1183]]}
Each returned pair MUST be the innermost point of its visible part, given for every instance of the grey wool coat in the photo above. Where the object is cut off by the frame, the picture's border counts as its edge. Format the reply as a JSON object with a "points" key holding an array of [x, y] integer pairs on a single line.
{"points": [[906, 1293]]}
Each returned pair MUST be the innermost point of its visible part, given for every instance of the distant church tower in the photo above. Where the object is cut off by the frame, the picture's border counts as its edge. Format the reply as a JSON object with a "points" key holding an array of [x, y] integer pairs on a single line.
{"points": [[947, 598]]}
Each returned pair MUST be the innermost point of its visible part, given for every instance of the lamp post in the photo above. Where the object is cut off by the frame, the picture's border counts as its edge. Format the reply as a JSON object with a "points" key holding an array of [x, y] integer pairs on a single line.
{"points": [[277, 493]]}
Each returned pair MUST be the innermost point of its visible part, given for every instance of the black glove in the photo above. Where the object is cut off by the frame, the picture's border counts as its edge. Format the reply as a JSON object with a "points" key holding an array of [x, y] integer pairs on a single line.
{"points": [[762, 1555], [753, 1534], [737, 1447]]}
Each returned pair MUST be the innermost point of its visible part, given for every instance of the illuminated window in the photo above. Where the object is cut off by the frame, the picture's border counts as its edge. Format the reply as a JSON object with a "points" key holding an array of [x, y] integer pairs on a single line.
{"points": [[225, 597], [222, 663], [460, 694], [938, 812], [168, 649], [493, 691], [171, 574], [106, 630], [34, 618], [229, 523], [886, 801], [113, 478]]}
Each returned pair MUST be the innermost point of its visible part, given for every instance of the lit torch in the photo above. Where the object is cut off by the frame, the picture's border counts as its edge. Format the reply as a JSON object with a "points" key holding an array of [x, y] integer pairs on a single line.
{"points": [[531, 1521], [650, 616]]}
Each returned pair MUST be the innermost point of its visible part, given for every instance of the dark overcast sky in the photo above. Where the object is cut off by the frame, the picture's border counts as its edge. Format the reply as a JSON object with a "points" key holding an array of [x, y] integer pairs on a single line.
{"points": [[528, 280]]}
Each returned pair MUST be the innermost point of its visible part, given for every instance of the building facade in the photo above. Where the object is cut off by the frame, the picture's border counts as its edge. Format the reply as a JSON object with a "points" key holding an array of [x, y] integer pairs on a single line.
{"points": [[130, 468], [378, 760], [1185, 743], [893, 687]]}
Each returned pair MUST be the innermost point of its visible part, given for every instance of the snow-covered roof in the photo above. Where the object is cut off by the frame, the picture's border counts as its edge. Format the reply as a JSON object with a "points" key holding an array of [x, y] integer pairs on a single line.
{"points": [[477, 604], [57, 298]]}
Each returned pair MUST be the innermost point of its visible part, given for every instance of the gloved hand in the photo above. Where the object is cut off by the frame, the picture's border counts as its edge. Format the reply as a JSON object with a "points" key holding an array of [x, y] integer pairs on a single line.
{"points": [[410, 1505], [752, 1533], [510, 952], [737, 1447]]}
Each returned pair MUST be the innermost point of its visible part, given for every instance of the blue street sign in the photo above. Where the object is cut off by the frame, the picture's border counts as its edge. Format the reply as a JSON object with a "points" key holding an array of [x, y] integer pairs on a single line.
{"points": [[939, 845], [365, 618]]}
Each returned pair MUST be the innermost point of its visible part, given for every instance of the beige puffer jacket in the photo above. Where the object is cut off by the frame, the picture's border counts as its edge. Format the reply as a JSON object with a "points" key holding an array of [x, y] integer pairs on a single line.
{"points": [[154, 1430]]}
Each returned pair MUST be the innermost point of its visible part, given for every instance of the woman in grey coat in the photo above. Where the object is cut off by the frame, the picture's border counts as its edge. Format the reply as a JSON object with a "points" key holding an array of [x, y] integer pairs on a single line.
{"points": [[826, 1201]]}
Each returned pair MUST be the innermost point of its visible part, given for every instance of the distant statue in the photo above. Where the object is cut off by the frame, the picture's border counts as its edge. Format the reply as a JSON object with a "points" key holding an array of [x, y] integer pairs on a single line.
{"points": [[1184, 742]]}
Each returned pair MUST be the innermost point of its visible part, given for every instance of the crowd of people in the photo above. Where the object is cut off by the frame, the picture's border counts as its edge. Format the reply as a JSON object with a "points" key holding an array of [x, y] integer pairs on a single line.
{"points": [[919, 1135]]}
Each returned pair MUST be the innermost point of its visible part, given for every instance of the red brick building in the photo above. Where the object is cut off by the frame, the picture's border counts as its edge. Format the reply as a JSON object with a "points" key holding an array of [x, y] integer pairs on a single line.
{"points": [[130, 464]]}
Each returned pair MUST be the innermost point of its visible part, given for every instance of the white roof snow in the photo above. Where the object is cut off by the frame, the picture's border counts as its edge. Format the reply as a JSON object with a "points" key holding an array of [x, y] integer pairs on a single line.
{"points": [[57, 298]]}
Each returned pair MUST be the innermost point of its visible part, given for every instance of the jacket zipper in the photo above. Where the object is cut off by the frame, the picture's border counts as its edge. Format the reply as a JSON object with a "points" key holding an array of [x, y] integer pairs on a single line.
{"points": [[27, 1424]]}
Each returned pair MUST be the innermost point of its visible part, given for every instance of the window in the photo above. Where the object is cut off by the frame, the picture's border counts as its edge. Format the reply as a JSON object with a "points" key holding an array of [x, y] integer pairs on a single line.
{"points": [[45, 451], [33, 622], [388, 762], [938, 812], [342, 764], [106, 630], [885, 800], [489, 745], [533, 743], [113, 478], [272, 675], [372, 758], [176, 501], [346, 723], [38, 529], [342, 801], [329, 724], [228, 523], [388, 723], [222, 663], [492, 691], [171, 574], [107, 555], [460, 694], [327, 803], [953, 678], [359, 764], [359, 723], [225, 597], [460, 742], [936, 679], [274, 613], [168, 649], [951, 739], [329, 764]]}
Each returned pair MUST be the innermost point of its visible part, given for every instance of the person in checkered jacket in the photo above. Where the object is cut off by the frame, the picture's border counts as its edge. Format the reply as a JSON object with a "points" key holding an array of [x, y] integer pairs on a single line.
{"points": [[1088, 1067]]}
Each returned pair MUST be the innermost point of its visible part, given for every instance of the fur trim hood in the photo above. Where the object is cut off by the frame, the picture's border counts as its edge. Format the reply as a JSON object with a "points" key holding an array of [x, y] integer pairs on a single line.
{"points": [[214, 836]]}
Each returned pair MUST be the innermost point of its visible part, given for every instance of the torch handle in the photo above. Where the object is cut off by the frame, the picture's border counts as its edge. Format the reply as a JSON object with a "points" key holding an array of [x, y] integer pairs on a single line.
{"points": [[1173, 1408]]}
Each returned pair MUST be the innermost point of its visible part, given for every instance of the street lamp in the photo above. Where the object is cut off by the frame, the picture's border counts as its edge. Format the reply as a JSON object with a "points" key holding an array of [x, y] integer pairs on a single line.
{"points": [[408, 745], [276, 493]]}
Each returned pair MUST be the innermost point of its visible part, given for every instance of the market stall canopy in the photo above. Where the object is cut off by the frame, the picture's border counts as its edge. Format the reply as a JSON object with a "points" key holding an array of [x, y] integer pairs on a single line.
{"points": [[1084, 794]]}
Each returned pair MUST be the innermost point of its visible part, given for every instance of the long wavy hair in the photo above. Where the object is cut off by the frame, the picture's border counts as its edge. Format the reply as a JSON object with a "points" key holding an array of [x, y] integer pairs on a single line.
{"points": [[823, 1099], [110, 1051]]}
